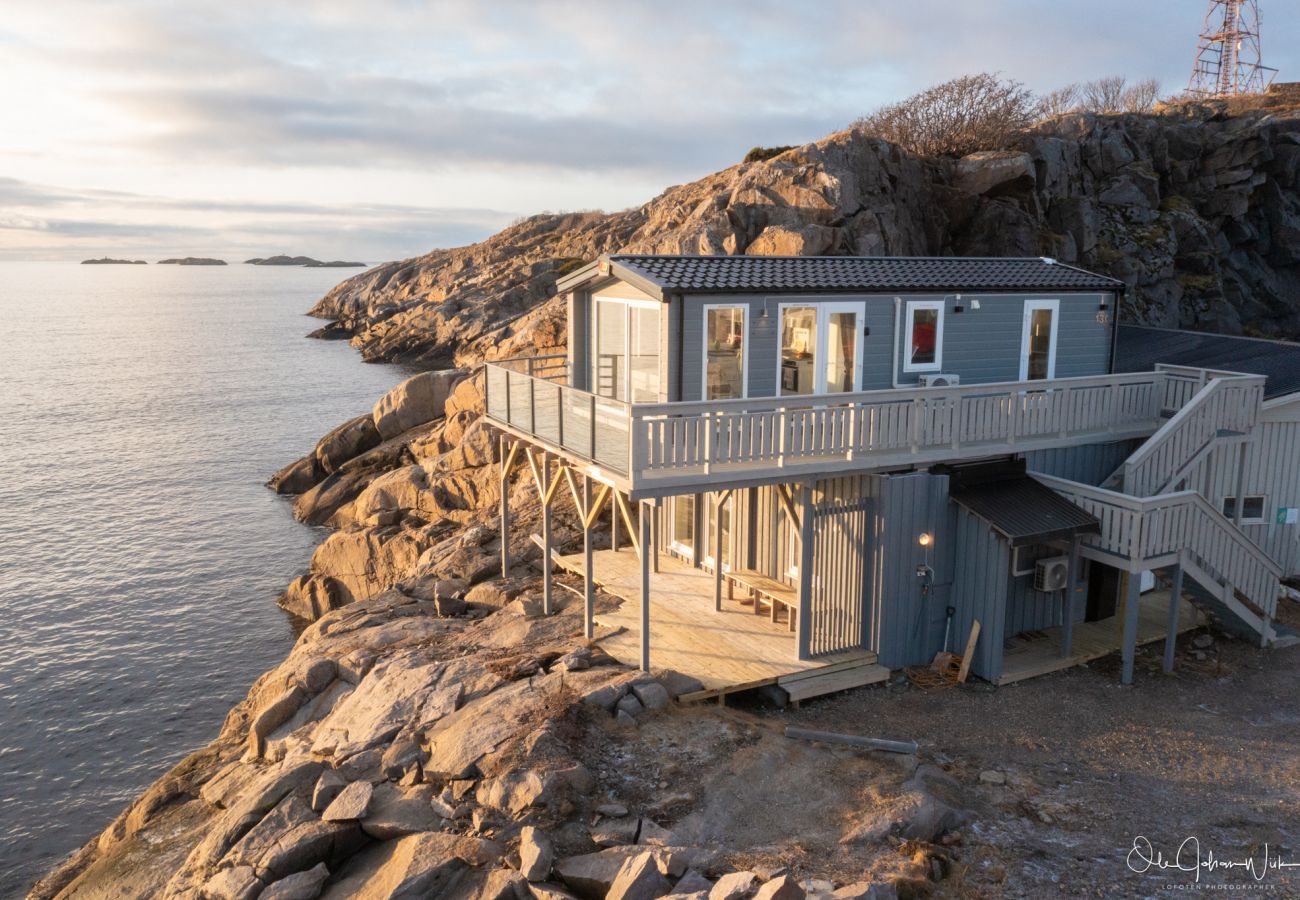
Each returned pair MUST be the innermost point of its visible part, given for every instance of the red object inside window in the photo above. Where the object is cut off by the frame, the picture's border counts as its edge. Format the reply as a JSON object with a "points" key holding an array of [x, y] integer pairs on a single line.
{"points": [[923, 334]]}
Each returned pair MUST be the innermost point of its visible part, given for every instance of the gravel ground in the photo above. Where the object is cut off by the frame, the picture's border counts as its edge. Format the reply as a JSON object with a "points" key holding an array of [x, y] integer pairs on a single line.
{"points": [[1087, 767]]}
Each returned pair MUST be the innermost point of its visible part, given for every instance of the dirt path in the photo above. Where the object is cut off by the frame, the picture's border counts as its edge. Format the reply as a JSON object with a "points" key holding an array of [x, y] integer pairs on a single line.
{"points": [[1211, 752]]}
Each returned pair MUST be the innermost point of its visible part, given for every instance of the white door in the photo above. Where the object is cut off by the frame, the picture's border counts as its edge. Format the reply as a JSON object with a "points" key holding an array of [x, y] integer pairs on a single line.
{"points": [[1038, 340], [820, 347]]}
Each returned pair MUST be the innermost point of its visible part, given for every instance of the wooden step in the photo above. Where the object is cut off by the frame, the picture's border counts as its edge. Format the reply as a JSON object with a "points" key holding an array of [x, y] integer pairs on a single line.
{"points": [[816, 683]]}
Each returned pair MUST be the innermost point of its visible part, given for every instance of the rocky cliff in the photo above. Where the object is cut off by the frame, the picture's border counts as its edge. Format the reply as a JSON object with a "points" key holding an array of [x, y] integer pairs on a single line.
{"points": [[1194, 208]]}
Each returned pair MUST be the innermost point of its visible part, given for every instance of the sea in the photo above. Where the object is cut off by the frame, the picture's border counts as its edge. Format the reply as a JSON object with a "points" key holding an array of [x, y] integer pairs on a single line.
{"points": [[142, 409]]}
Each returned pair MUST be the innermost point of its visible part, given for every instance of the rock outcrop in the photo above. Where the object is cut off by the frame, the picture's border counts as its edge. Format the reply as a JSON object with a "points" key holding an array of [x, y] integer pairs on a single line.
{"points": [[1195, 209]]}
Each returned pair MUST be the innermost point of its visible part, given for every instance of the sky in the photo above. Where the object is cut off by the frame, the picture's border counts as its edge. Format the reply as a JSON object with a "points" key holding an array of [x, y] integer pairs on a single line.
{"points": [[381, 129]]}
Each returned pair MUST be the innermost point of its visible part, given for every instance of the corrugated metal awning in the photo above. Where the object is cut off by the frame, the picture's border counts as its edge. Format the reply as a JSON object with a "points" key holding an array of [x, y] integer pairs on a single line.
{"points": [[1025, 511]]}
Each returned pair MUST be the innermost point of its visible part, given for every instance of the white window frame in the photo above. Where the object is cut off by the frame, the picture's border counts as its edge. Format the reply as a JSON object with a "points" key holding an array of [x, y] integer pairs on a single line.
{"points": [[744, 347], [910, 321], [821, 358], [627, 305], [1261, 519], [1026, 321]]}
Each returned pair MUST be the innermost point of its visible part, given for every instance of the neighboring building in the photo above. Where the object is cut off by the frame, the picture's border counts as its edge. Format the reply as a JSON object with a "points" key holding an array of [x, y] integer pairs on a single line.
{"points": [[883, 452]]}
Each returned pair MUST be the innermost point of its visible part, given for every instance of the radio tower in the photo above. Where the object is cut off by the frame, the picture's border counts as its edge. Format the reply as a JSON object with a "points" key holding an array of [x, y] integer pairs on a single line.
{"points": [[1227, 58]]}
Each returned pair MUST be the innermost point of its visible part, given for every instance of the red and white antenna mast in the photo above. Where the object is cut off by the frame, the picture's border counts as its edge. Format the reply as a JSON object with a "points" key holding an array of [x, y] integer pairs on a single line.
{"points": [[1228, 59]]}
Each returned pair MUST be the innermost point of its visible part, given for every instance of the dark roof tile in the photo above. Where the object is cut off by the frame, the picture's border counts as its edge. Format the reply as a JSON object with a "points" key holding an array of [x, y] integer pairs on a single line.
{"points": [[813, 274]]}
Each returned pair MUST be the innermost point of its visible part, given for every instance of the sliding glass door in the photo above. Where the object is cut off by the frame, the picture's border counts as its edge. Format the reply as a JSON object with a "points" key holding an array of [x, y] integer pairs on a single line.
{"points": [[626, 363], [821, 348]]}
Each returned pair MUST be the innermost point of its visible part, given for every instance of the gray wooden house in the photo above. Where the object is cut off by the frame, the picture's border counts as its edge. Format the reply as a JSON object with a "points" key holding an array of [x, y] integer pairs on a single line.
{"points": [[827, 467]]}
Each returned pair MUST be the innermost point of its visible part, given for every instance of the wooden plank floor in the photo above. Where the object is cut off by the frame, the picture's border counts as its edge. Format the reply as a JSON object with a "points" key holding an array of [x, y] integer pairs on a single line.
{"points": [[1092, 640], [727, 651]]}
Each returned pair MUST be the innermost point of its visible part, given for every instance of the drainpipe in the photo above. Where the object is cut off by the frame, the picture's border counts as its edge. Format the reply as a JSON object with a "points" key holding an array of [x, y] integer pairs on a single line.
{"points": [[898, 337], [677, 347]]}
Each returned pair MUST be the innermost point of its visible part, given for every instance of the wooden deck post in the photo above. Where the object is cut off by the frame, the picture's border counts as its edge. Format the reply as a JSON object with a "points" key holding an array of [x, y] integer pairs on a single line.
{"points": [[1132, 609], [717, 553], [1175, 601], [803, 626], [588, 586], [1071, 587], [613, 531], [644, 521], [505, 507], [655, 540], [546, 534]]}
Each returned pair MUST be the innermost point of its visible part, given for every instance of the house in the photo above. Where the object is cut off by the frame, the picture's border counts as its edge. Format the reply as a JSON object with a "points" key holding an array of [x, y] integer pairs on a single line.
{"points": [[877, 454]]}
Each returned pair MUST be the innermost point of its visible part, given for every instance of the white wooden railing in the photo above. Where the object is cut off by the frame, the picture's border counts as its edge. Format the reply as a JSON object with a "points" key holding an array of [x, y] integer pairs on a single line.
{"points": [[882, 428], [1227, 403], [657, 446], [1139, 533]]}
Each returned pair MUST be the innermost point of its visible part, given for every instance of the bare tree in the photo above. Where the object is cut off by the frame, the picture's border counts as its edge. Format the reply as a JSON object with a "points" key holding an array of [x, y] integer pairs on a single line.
{"points": [[973, 112], [1141, 96], [1062, 100], [1105, 95]]}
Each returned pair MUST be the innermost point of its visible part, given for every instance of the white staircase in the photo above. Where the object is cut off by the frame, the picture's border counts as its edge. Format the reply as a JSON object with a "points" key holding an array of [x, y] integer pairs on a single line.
{"points": [[1146, 524], [1223, 411]]}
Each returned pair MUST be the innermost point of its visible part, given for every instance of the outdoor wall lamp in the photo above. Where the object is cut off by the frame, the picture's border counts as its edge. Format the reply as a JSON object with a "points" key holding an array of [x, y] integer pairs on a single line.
{"points": [[958, 308], [925, 539]]}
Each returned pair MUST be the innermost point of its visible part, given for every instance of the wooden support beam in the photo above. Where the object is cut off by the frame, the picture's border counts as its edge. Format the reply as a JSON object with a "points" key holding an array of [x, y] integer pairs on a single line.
{"points": [[535, 468], [544, 487], [1132, 609], [717, 550], [1071, 588], [803, 627], [578, 503], [645, 589], [552, 487], [589, 585], [621, 503], [1175, 601], [507, 459], [593, 509], [787, 503]]}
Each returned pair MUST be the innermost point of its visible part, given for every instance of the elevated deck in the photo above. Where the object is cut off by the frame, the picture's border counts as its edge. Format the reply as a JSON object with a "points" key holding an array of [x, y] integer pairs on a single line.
{"points": [[728, 651], [649, 450], [1031, 656]]}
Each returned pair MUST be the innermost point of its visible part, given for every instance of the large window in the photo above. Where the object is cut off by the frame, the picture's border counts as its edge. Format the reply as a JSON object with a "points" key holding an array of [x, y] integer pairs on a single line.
{"points": [[725, 353], [682, 537], [924, 336], [626, 366], [1038, 342], [798, 350]]}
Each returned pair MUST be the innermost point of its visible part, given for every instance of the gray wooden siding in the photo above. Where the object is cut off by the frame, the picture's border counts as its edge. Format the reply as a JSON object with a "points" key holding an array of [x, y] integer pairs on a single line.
{"points": [[579, 321], [981, 573], [1087, 463], [984, 345], [979, 345], [1273, 470]]}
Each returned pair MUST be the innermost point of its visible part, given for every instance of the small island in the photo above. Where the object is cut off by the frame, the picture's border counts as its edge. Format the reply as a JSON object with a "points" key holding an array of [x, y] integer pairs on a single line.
{"points": [[192, 261], [106, 261], [305, 261]]}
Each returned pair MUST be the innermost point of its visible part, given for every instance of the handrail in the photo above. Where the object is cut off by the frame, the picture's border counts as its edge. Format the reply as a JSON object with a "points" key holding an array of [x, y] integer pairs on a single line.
{"points": [[1226, 402], [799, 401], [1149, 529]]}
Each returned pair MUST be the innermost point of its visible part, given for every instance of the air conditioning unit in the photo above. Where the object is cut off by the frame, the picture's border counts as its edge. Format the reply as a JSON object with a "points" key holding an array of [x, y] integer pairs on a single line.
{"points": [[1051, 574], [938, 380]]}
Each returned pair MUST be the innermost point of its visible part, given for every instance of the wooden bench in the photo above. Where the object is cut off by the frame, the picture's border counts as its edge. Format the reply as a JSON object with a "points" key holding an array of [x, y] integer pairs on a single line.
{"points": [[763, 590]]}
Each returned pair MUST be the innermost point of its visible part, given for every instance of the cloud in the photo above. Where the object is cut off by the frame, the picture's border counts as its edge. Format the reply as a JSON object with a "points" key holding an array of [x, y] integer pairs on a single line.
{"points": [[91, 222], [420, 120]]}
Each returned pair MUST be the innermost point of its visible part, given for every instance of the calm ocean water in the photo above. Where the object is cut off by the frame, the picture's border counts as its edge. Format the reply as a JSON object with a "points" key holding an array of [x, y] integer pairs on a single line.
{"points": [[141, 410]]}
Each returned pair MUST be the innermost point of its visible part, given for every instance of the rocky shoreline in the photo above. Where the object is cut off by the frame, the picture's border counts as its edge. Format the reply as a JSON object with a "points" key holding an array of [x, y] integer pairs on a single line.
{"points": [[433, 734]]}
